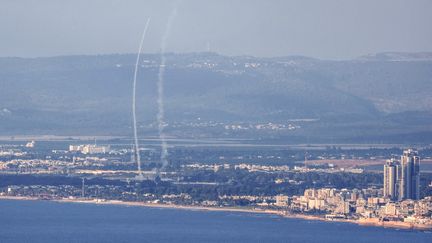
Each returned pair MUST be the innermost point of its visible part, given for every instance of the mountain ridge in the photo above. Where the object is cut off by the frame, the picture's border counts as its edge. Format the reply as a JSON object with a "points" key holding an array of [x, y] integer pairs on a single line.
{"points": [[91, 91]]}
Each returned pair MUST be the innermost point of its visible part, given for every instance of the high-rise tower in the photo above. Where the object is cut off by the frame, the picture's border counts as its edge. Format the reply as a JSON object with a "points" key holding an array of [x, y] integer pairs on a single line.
{"points": [[409, 175], [390, 179]]}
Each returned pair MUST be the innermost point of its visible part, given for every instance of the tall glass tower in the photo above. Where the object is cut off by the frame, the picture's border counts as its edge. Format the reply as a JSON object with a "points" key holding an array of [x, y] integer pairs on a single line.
{"points": [[409, 175]]}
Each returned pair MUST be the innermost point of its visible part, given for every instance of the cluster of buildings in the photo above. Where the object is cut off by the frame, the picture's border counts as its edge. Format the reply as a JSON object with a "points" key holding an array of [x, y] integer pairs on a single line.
{"points": [[398, 201], [89, 149], [356, 204], [402, 177], [264, 126], [331, 200], [12, 152], [262, 168], [270, 168], [331, 169]]}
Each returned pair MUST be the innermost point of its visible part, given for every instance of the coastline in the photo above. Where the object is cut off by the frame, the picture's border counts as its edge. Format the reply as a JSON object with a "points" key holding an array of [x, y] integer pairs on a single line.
{"points": [[361, 222]]}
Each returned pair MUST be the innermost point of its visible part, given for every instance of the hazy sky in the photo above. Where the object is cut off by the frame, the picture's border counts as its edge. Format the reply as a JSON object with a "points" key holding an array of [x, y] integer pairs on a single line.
{"points": [[334, 29]]}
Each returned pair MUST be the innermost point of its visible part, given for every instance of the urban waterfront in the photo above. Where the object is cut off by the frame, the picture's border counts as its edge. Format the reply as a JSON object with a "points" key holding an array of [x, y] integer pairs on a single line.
{"points": [[215, 121], [46, 221]]}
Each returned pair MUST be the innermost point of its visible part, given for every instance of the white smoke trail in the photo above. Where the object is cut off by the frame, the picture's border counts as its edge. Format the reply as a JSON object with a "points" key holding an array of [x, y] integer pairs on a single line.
{"points": [[160, 88], [136, 150]]}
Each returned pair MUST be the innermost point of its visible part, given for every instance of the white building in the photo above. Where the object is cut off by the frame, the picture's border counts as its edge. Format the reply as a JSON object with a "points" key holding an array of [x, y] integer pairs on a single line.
{"points": [[30, 144], [89, 149]]}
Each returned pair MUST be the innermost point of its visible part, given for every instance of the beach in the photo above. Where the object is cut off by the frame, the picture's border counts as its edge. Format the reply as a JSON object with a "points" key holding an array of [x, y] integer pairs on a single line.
{"points": [[363, 222]]}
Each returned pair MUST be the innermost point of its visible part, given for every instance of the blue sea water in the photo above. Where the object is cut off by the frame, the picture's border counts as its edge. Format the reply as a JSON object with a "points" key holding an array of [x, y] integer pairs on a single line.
{"points": [[44, 221]]}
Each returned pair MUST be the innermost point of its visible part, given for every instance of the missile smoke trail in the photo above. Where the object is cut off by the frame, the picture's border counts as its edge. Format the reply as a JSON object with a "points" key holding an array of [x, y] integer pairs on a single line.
{"points": [[137, 154], [160, 88]]}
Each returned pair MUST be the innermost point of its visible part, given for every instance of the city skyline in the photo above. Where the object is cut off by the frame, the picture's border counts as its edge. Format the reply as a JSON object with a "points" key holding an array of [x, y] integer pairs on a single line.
{"points": [[216, 121]]}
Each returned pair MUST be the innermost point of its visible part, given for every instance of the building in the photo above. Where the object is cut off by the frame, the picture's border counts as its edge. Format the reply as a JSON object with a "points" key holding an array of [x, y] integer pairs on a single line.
{"points": [[75, 148], [281, 200], [343, 208], [315, 203], [310, 193], [390, 209], [402, 178], [409, 175], [89, 149], [390, 179], [30, 144], [94, 149]]}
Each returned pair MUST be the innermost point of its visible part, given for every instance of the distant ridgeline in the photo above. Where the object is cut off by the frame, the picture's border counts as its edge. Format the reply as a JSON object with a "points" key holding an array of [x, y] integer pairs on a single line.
{"points": [[376, 98]]}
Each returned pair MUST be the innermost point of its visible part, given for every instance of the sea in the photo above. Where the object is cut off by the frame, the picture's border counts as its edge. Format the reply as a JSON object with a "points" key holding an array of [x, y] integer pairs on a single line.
{"points": [[48, 221]]}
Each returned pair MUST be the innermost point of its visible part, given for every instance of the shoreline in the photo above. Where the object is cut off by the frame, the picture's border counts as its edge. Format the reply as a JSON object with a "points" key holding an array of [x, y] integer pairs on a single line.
{"points": [[360, 222]]}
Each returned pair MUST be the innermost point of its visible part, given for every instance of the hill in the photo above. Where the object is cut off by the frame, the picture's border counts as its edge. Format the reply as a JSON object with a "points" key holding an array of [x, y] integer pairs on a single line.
{"points": [[373, 98]]}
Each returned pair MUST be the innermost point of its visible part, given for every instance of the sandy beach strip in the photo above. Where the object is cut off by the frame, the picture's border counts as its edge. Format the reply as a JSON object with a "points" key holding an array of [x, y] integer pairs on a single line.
{"points": [[398, 225]]}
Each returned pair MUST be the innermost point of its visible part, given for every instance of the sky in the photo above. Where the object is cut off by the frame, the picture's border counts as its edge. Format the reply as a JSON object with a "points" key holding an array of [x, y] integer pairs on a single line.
{"points": [[326, 29]]}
